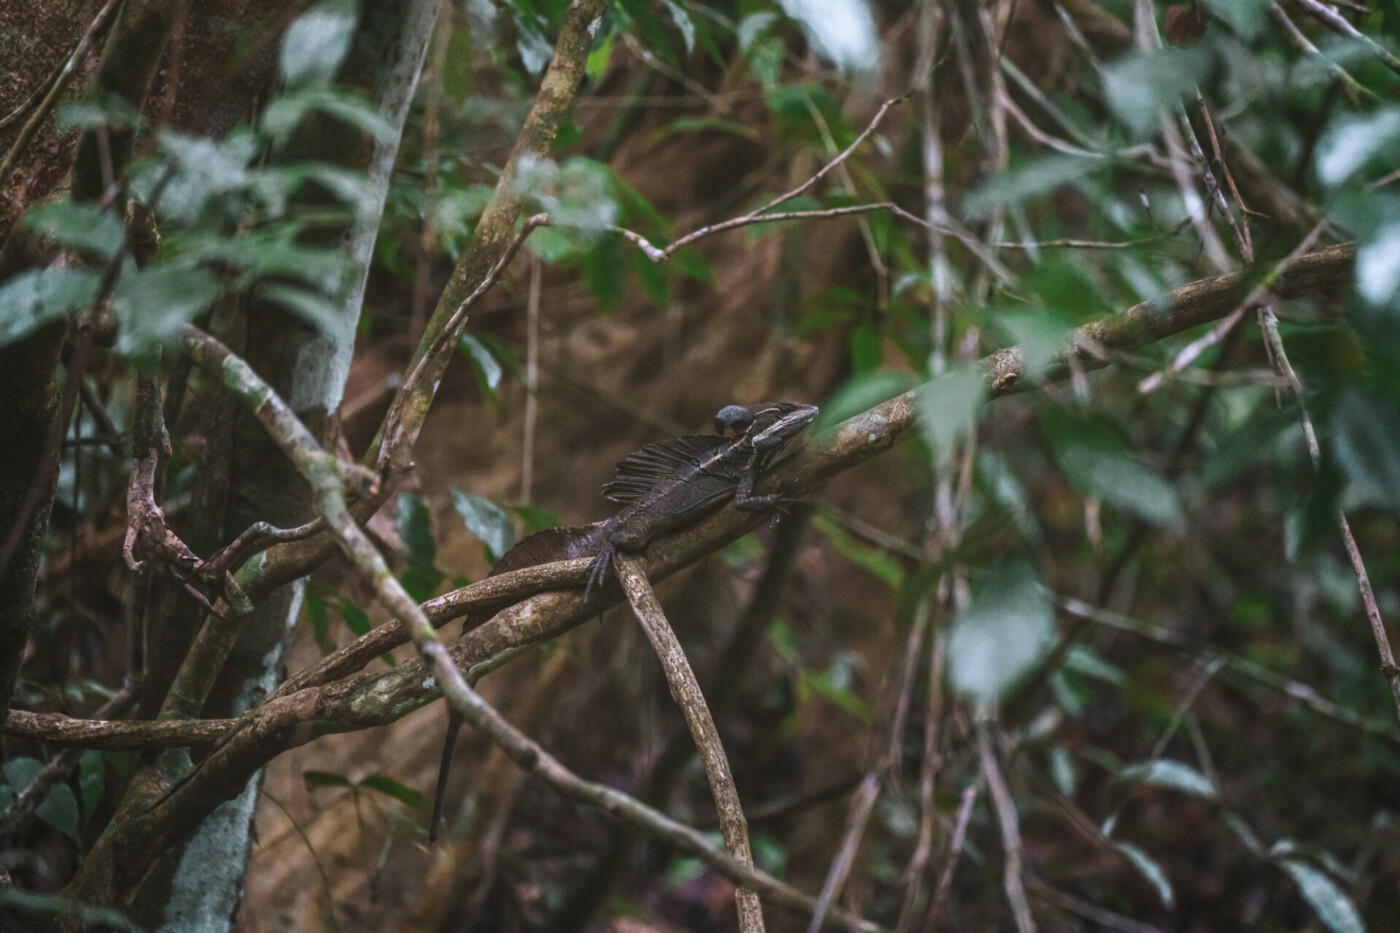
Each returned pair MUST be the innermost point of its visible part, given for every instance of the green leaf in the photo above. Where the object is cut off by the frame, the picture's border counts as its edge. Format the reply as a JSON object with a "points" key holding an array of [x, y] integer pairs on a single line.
{"points": [[81, 226], [568, 134], [1327, 900], [1063, 771], [605, 272], [483, 362], [766, 61], [1149, 869], [392, 788], [753, 26], [1174, 775], [702, 125], [1037, 179], [421, 582], [655, 278], [60, 810], [1366, 437], [35, 297], [283, 114], [536, 518], [535, 50], [839, 695], [315, 779], [692, 265], [112, 110], [153, 303], [92, 781], [352, 188], [858, 394], [503, 355], [206, 168], [1096, 463], [314, 605], [356, 619], [683, 23], [1246, 17], [843, 30], [312, 307], [599, 57], [1378, 266], [1083, 659], [877, 563], [1140, 88], [317, 42], [414, 526], [576, 192], [949, 407], [1007, 628], [550, 244], [1355, 140], [487, 520], [21, 772], [867, 349]]}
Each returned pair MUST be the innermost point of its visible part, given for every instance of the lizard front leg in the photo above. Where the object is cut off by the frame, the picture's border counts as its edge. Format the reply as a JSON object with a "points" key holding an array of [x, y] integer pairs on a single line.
{"points": [[746, 501]]}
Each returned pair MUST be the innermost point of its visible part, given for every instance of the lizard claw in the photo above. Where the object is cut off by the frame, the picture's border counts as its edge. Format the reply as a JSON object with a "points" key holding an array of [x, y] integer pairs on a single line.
{"points": [[599, 571]]}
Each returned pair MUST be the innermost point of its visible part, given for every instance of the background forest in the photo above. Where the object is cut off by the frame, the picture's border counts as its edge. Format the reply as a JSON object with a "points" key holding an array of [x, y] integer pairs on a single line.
{"points": [[1077, 619]]}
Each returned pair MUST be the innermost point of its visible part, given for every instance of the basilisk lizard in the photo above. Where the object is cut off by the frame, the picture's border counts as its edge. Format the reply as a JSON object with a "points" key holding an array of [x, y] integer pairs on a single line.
{"points": [[670, 484]]}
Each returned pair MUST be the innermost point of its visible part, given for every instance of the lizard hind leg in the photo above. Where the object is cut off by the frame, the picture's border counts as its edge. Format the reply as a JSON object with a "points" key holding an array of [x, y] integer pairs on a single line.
{"points": [[598, 572]]}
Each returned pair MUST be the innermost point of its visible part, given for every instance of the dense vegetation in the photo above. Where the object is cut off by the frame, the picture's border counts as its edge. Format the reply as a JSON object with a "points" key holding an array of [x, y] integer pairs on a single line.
{"points": [[308, 312]]}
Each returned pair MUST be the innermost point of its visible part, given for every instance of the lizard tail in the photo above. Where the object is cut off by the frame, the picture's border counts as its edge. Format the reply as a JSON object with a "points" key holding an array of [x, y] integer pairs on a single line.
{"points": [[546, 546]]}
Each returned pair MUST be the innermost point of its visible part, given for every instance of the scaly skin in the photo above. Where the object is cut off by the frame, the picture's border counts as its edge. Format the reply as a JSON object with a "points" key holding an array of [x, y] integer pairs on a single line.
{"points": [[673, 483]]}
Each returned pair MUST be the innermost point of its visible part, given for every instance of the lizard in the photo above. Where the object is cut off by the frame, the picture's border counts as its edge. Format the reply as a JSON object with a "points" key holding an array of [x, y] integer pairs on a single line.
{"points": [[663, 486], [672, 483]]}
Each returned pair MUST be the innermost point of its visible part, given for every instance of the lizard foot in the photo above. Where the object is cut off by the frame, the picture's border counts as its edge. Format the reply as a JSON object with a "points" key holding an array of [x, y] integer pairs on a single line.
{"points": [[598, 572]]}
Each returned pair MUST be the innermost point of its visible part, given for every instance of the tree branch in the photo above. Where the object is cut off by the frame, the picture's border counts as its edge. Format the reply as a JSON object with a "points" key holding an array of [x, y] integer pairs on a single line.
{"points": [[685, 690]]}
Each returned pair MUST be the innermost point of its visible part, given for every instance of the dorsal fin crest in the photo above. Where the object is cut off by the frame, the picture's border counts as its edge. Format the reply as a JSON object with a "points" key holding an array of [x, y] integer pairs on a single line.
{"points": [[642, 470]]}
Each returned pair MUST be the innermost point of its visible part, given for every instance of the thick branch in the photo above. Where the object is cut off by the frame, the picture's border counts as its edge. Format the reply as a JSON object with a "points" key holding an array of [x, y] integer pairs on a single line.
{"points": [[116, 734]]}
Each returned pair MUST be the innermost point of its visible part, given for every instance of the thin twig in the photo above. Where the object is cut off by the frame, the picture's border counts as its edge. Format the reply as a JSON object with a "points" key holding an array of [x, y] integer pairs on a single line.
{"points": [[822, 172], [1342, 27], [928, 775], [1278, 353], [1355, 89], [945, 878], [1010, 830], [857, 818]]}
